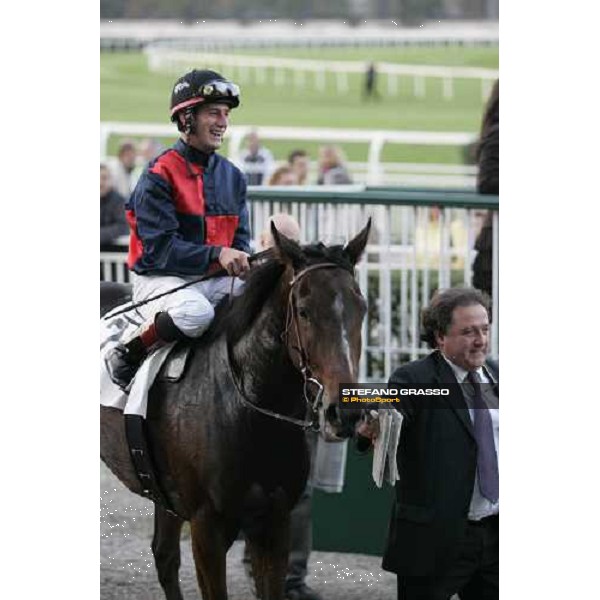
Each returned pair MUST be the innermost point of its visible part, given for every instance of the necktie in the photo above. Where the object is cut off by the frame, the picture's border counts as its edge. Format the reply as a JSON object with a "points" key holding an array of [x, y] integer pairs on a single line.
{"points": [[487, 460]]}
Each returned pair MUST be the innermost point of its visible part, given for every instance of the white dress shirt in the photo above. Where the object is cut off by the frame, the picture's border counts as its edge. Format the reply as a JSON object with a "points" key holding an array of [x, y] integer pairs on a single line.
{"points": [[480, 506]]}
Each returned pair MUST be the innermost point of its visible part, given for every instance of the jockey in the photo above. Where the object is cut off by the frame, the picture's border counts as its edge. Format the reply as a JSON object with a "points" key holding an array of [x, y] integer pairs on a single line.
{"points": [[187, 216]]}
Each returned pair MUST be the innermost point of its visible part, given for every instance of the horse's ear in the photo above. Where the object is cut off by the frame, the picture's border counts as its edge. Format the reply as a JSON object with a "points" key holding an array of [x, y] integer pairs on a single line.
{"points": [[356, 246], [286, 250]]}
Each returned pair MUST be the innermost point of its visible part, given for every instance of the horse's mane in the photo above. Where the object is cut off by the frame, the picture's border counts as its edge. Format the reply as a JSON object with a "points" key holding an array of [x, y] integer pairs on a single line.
{"points": [[236, 317]]}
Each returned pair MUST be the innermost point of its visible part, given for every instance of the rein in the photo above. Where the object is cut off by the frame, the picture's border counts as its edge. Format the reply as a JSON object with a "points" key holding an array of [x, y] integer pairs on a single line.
{"points": [[303, 367]]}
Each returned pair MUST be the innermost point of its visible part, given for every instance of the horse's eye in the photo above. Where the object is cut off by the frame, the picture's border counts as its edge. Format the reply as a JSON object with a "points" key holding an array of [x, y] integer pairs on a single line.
{"points": [[302, 313]]}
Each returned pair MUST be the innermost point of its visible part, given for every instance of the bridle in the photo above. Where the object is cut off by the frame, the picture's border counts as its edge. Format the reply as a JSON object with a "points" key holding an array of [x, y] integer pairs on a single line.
{"points": [[291, 322]]}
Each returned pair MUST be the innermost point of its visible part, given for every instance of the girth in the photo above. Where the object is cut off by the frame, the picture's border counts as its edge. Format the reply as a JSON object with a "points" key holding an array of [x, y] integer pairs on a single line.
{"points": [[143, 464]]}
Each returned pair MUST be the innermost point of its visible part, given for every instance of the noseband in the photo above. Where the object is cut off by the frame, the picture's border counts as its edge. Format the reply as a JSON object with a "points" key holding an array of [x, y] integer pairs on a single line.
{"points": [[291, 321]]}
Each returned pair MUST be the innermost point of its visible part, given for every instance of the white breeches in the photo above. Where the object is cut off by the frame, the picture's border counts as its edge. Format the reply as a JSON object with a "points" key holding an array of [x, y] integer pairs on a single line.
{"points": [[190, 308]]}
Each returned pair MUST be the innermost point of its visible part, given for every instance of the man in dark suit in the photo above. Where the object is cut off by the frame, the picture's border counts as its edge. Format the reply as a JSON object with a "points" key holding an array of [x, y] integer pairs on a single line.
{"points": [[443, 536]]}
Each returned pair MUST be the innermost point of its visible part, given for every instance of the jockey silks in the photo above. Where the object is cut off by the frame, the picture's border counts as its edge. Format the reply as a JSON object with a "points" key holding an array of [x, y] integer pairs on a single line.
{"points": [[181, 215]]}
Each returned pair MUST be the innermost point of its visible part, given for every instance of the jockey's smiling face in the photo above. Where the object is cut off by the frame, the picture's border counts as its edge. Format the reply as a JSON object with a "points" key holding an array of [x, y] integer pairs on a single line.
{"points": [[211, 123]]}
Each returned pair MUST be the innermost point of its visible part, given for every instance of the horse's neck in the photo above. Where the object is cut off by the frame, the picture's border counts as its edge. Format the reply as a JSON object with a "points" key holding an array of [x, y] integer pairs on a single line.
{"points": [[261, 358]]}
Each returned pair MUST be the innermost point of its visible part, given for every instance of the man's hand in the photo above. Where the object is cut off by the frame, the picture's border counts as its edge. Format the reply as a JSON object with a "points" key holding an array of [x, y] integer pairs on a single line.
{"points": [[369, 428], [235, 262]]}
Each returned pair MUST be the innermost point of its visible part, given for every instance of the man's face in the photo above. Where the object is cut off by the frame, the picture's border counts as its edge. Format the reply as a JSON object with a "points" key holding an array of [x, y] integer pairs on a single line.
{"points": [[127, 157], [288, 178], [105, 182], [466, 341], [211, 123], [327, 158], [253, 143], [300, 165]]}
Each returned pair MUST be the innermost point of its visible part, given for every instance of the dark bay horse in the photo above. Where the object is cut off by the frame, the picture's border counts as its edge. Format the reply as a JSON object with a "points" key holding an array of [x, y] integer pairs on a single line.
{"points": [[225, 461]]}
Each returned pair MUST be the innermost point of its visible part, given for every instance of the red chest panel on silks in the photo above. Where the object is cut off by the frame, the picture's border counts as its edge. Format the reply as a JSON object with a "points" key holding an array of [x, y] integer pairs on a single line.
{"points": [[220, 229], [188, 192], [188, 197]]}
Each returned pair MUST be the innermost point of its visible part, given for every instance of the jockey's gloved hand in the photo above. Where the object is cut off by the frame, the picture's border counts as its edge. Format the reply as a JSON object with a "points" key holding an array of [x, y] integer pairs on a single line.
{"points": [[235, 262]]}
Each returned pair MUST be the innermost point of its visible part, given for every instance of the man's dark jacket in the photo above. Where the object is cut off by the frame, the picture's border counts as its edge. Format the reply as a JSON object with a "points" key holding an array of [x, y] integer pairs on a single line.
{"points": [[437, 460], [112, 217]]}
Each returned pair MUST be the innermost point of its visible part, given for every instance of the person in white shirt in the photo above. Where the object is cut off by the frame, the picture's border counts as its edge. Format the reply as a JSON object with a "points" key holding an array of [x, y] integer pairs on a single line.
{"points": [[256, 161], [123, 169]]}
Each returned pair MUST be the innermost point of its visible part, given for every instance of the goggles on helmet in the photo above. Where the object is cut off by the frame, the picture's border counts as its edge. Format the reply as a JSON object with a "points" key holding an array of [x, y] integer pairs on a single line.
{"points": [[212, 91], [219, 88]]}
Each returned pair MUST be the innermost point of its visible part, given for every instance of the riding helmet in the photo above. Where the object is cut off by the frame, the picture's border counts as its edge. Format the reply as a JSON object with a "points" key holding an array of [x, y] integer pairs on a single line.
{"points": [[202, 86]]}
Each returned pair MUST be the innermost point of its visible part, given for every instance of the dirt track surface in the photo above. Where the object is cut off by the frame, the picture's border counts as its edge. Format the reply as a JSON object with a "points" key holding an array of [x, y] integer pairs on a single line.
{"points": [[127, 565]]}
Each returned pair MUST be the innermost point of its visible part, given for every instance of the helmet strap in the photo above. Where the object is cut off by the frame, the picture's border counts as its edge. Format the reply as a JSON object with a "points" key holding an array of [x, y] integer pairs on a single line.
{"points": [[189, 119], [189, 128]]}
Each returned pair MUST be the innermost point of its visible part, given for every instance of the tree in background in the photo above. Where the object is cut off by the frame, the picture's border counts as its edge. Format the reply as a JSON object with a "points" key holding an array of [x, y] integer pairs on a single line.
{"points": [[410, 12], [415, 12]]}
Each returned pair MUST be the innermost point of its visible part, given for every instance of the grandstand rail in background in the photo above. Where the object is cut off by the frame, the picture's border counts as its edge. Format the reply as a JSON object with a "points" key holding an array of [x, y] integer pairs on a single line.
{"points": [[421, 239], [372, 173], [290, 71]]}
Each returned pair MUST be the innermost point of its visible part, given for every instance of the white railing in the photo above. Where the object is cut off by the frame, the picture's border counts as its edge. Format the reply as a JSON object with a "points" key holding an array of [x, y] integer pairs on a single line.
{"points": [[376, 139], [113, 265], [390, 174], [412, 174], [293, 72]]}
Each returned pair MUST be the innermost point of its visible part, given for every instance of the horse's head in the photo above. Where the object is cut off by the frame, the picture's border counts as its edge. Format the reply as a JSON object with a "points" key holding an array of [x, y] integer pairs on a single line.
{"points": [[325, 311]]}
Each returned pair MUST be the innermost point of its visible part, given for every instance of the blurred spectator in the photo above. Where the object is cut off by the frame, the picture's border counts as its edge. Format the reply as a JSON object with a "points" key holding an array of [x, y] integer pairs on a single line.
{"points": [[332, 170], [122, 169], [428, 239], [257, 161], [300, 162], [285, 224], [370, 90], [149, 150], [488, 155], [487, 183], [112, 210], [284, 175]]}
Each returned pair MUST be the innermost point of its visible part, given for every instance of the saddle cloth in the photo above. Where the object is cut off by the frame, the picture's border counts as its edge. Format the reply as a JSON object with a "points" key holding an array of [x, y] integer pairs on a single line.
{"points": [[112, 330]]}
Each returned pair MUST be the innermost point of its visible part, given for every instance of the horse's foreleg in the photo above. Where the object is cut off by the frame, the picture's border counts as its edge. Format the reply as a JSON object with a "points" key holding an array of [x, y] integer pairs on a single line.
{"points": [[269, 549], [167, 552], [210, 542]]}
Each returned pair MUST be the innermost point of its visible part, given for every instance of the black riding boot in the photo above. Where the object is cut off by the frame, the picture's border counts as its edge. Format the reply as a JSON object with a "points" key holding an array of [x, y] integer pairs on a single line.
{"points": [[123, 361]]}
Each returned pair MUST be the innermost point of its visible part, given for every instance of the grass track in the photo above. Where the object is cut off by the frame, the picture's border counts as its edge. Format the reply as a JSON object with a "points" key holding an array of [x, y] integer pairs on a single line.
{"points": [[452, 56]]}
